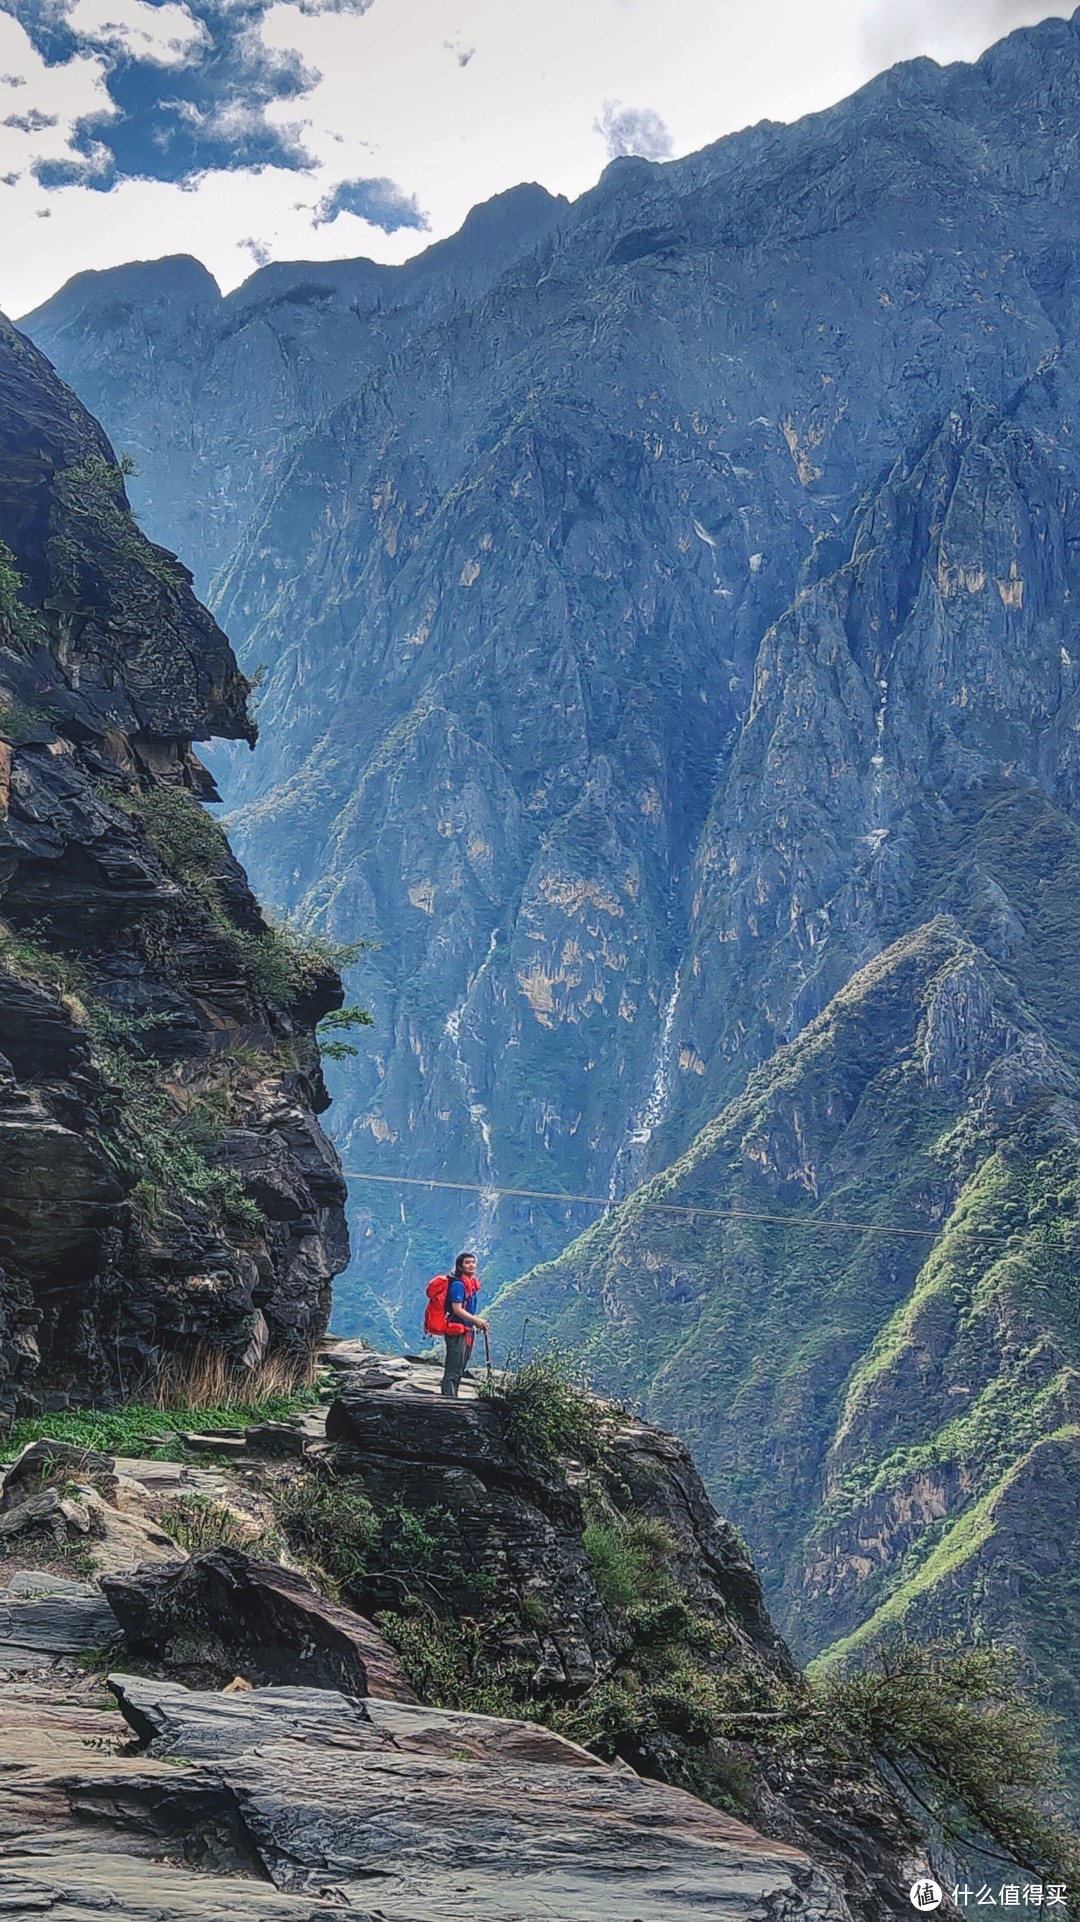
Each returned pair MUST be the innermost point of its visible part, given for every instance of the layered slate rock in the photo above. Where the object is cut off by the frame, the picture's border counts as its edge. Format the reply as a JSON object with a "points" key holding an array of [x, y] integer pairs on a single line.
{"points": [[333, 1802], [222, 1611], [166, 1188], [295, 1803]]}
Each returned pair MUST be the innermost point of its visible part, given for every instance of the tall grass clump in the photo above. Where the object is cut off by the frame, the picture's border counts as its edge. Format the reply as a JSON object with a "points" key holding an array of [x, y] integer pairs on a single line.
{"points": [[202, 1391]]}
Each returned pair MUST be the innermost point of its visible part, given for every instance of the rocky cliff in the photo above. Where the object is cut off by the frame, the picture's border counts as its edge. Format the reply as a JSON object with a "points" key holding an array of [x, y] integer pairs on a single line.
{"points": [[570, 1703], [166, 1189]]}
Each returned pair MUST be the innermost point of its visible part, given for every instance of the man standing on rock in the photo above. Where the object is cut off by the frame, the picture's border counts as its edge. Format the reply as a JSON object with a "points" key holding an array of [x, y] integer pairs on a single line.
{"points": [[462, 1321]]}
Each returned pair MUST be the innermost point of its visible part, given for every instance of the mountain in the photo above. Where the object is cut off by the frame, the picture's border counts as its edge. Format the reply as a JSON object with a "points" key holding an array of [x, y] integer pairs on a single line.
{"points": [[857, 1289], [208, 392], [169, 1199], [671, 668], [517, 595]]}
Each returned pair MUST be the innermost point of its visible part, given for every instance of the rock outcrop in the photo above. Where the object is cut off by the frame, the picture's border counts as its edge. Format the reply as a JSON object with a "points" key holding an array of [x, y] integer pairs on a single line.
{"points": [[296, 1803], [221, 1611], [166, 1188], [301, 1797]]}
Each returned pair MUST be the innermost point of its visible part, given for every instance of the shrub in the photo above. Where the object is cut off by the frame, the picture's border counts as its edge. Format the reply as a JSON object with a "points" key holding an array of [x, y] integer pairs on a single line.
{"points": [[147, 1139], [92, 491], [331, 1522], [19, 719], [282, 961], [626, 1559], [335, 1023], [287, 961], [451, 1666], [953, 1723], [548, 1411], [418, 1536], [23, 623], [186, 839], [25, 953]]}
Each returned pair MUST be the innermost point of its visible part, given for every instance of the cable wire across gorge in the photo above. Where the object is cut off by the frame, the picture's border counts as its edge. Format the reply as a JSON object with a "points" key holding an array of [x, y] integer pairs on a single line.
{"points": [[819, 1224]]}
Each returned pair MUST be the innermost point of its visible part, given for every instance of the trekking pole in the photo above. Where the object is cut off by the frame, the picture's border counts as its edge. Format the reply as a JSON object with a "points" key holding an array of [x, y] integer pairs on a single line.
{"points": [[487, 1356]]}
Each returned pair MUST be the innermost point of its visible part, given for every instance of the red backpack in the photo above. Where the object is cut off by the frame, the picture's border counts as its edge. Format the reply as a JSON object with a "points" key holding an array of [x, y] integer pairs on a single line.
{"points": [[435, 1312], [435, 1322]]}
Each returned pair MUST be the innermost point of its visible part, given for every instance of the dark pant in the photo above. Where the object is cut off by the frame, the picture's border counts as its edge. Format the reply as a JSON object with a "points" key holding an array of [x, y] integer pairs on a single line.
{"points": [[457, 1354]]}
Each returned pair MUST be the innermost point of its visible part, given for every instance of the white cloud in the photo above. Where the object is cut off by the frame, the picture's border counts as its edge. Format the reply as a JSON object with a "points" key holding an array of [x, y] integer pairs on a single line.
{"points": [[393, 103], [165, 35], [47, 101], [956, 31], [633, 130]]}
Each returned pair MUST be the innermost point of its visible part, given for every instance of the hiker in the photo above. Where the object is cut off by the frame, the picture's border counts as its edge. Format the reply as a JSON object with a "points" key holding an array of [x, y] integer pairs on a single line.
{"points": [[451, 1312]]}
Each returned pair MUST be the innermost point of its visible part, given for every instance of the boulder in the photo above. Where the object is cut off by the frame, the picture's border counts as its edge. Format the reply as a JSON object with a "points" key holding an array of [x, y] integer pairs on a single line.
{"points": [[207, 1727], [224, 1613], [42, 1463], [117, 1542], [461, 1817]]}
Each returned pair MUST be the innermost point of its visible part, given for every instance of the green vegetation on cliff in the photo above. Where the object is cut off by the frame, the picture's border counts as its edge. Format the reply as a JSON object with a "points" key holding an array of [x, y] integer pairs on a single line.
{"points": [[597, 1542], [888, 1409]]}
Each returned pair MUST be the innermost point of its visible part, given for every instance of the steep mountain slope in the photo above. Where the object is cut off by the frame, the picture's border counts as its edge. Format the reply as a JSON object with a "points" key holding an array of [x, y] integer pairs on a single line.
{"points": [[511, 596], [857, 1289], [543, 555], [910, 745], [165, 1187], [208, 392]]}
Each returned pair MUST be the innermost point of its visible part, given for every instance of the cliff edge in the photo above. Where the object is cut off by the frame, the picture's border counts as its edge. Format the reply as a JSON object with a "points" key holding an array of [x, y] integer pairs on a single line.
{"points": [[166, 1188]]}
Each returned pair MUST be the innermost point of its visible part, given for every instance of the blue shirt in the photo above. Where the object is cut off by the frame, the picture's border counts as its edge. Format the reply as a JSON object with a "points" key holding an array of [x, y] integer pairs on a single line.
{"points": [[462, 1293]]}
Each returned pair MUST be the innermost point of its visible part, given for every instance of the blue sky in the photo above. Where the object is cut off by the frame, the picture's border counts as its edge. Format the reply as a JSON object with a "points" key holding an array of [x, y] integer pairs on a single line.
{"points": [[249, 130]]}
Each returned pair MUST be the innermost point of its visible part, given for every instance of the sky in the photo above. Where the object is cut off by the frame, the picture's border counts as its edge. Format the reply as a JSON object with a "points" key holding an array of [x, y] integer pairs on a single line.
{"points": [[243, 131]]}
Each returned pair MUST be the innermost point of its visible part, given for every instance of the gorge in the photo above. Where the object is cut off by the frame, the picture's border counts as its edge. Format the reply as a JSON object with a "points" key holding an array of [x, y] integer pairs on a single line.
{"points": [[665, 609]]}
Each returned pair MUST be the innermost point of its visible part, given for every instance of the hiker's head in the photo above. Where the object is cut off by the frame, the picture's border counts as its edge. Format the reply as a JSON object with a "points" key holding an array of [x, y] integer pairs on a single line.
{"points": [[464, 1265]]}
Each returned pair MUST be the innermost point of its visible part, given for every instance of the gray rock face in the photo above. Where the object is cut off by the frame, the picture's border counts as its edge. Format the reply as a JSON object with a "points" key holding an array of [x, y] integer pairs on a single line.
{"points": [[332, 1804], [295, 1803], [167, 1189], [34, 1628]]}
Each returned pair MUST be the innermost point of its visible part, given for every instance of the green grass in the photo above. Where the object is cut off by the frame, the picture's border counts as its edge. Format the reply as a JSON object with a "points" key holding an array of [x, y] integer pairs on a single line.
{"points": [[331, 1522], [960, 1544], [197, 1523], [23, 622], [121, 1431]]}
